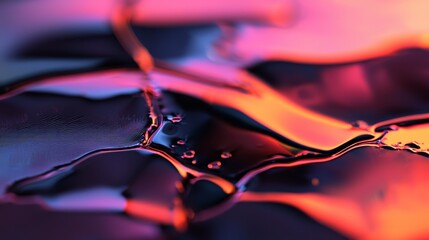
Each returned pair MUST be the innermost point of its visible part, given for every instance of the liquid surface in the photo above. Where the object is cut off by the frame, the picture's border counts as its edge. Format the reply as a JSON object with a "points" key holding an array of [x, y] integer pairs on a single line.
{"points": [[96, 144], [205, 161]]}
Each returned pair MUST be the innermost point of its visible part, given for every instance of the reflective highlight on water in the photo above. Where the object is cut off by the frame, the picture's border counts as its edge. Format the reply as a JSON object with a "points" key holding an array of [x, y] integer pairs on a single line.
{"points": [[220, 157], [202, 148]]}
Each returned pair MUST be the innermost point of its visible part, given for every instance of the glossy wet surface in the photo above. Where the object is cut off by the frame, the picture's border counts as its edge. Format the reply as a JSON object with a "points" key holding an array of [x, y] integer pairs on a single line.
{"points": [[206, 165], [93, 148]]}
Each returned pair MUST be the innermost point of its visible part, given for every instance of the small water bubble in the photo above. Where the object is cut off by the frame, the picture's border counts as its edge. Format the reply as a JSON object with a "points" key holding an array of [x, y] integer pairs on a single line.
{"points": [[189, 154], [226, 155], [181, 142], [194, 162], [175, 118], [214, 165]]}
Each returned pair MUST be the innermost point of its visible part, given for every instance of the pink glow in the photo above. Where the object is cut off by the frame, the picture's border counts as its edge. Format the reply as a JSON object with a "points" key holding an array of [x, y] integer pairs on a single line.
{"points": [[334, 31]]}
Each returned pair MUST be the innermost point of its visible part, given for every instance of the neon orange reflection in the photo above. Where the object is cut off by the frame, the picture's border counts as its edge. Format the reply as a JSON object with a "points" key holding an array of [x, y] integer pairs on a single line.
{"points": [[149, 210], [386, 202]]}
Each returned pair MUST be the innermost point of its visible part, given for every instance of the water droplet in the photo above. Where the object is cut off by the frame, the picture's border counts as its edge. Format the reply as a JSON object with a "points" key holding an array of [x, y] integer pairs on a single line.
{"points": [[226, 155], [174, 118], [181, 142], [194, 161], [214, 165], [189, 154]]}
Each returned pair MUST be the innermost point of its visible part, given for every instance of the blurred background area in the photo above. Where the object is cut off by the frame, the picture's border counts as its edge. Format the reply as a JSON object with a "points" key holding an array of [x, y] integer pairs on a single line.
{"points": [[375, 52]]}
